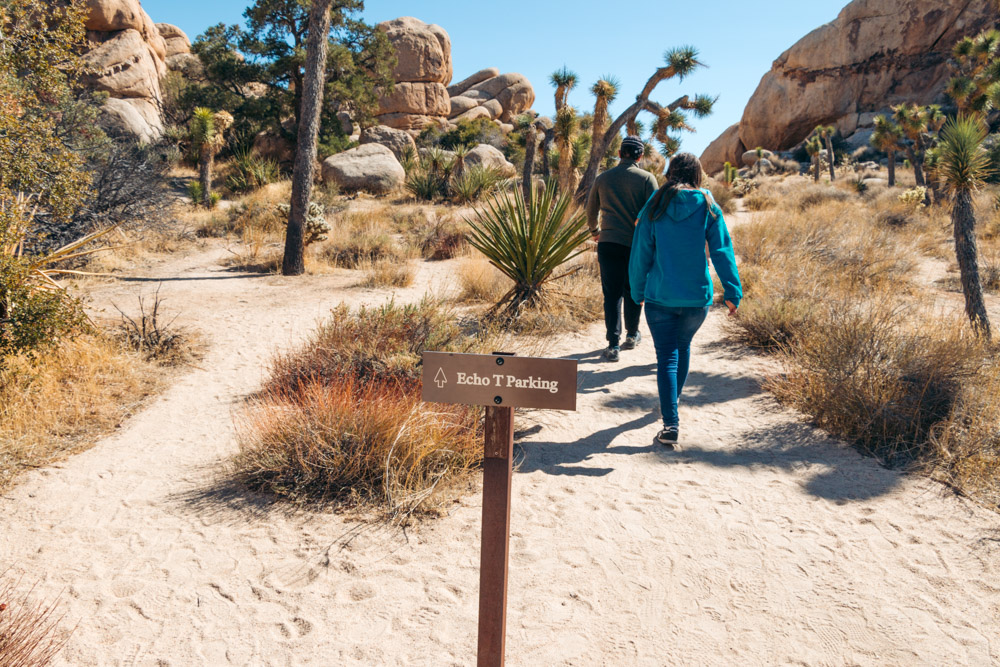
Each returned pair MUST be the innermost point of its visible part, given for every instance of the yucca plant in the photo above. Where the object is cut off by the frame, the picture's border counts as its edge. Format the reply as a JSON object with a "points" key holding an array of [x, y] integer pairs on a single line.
{"points": [[426, 184], [564, 80], [963, 167], [565, 129], [814, 146], [528, 242], [888, 137], [251, 171], [913, 120], [477, 182], [208, 136], [825, 133]]}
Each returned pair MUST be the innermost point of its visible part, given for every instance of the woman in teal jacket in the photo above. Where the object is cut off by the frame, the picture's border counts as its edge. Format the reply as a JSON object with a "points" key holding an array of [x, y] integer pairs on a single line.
{"points": [[669, 272]]}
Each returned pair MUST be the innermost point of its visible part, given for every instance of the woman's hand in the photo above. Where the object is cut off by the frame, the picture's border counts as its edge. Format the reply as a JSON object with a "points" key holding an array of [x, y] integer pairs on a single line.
{"points": [[732, 308]]}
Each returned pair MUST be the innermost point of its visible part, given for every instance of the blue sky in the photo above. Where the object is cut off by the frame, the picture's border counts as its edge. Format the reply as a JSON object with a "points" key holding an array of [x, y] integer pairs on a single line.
{"points": [[738, 40]]}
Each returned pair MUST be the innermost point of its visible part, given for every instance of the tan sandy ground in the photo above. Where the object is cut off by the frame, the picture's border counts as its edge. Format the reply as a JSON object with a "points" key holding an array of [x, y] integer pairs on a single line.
{"points": [[762, 542]]}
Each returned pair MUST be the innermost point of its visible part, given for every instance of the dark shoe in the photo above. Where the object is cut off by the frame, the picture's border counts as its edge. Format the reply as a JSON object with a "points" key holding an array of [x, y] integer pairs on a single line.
{"points": [[668, 436], [611, 354], [632, 340]]}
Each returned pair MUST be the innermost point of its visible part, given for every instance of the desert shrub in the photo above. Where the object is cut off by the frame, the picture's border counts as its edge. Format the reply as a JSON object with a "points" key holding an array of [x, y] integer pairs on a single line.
{"points": [[389, 273], [913, 199], [723, 196], [195, 192], [316, 226], [477, 182], [249, 171], [28, 627], [759, 201], [466, 133], [444, 239], [33, 315], [812, 196], [341, 417], [261, 210], [770, 322], [426, 185], [359, 241], [151, 335]]}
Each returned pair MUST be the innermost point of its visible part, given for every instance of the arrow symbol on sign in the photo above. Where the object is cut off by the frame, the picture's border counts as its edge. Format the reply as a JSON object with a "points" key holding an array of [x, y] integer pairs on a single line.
{"points": [[441, 379]]}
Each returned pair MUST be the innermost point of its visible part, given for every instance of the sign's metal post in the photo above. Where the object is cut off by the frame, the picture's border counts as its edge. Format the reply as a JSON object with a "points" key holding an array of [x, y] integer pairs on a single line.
{"points": [[497, 476]]}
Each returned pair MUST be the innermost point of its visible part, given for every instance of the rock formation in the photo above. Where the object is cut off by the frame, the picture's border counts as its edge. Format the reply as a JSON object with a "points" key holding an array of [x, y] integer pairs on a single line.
{"points": [[128, 55], [372, 168], [489, 94], [396, 141], [423, 70], [875, 54]]}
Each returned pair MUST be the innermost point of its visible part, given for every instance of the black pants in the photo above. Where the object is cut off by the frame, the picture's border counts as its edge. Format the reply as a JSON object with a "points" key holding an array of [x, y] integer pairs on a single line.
{"points": [[613, 259]]}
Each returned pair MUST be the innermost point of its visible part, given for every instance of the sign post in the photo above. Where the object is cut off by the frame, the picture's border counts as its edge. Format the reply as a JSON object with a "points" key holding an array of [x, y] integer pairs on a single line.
{"points": [[501, 383]]}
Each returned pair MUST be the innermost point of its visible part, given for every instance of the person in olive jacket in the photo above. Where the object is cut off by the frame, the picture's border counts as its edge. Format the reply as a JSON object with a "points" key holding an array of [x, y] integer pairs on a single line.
{"points": [[614, 204]]}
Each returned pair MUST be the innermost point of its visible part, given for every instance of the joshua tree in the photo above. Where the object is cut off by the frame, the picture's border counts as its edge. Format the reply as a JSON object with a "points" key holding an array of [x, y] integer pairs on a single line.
{"points": [[888, 137], [826, 132], [759, 151], [605, 91], [293, 263], [977, 71], [565, 128], [963, 164], [458, 168], [208, 134], [680, 63], [814, 146], [913, 120], [564, 81]]}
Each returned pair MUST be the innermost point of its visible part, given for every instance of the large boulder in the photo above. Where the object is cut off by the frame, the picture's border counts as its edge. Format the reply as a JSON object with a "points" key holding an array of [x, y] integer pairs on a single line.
{"points": [[411, 122], [372, 168], [468, 82], [137, 118], [424, 99], [423, 51], [727, 148], [396, 141], [749, 158], [123, 66], [176, 40], [876, 53], [487, 156]]}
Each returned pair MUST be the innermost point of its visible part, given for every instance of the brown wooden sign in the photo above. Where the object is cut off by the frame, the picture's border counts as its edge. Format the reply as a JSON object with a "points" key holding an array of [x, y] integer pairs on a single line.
{"points": [[501, 383], [494, 379]]}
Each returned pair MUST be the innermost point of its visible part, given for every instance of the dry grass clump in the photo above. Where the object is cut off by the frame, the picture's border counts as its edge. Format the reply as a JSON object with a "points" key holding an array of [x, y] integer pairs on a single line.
{"points": [[444, 239], [813, 196], [60, 403], [573, 301], [361, 238], [480, 281], [389, 273], [723, 196], [29, 629], [831, 289], [341, 419]]}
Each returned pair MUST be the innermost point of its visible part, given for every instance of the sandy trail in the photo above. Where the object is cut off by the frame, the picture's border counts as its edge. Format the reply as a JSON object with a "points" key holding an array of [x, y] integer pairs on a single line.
{"points": [[762, 542]]}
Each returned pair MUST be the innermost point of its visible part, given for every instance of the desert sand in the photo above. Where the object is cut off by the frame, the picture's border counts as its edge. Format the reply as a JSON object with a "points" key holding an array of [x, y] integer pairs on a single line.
{"points": [[762, 541]]}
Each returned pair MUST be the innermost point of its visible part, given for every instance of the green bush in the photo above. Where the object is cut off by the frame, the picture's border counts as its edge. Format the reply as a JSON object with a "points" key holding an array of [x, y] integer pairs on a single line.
{"points": [[195, 192], [251, 171], [467, 133], [477, 182], [32, 316]]}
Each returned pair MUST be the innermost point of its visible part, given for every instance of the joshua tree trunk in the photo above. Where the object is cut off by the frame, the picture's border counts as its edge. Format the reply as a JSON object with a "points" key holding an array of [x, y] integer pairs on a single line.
{"points": [[565, 165], [546, 144], [205, 166], [816, 167], [892, 168], [964, 221], [918, 170], [831, 157], [530, 146], [293, 263]]}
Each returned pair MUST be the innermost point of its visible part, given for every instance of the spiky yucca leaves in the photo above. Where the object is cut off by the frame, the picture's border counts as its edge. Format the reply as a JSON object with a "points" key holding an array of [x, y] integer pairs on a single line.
{"points": [[975, 85], [528, 242], [888, 137], [208, 135], [605, 91], [564, 81], [913, 120], [682, 61], [814, 146], [565, 129], [963, 166]]}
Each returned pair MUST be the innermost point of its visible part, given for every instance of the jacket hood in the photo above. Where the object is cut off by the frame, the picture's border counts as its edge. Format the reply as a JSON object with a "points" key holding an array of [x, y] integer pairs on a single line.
{"points": [[686, 203]]}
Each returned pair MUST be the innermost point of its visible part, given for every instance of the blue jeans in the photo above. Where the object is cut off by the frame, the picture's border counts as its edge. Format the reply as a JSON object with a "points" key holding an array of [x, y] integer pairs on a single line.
{"points": [[672, 330]]}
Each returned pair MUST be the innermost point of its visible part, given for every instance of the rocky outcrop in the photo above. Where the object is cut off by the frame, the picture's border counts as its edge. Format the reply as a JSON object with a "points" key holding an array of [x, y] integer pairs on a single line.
{"points": [[503, 96], [396, 141], [727, 148], [420, 97], [372, 168], [127, 57], [875, 54]]}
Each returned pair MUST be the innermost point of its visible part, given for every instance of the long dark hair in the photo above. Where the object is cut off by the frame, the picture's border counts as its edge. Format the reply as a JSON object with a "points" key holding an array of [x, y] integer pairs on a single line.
{"points": [[684, 173]]}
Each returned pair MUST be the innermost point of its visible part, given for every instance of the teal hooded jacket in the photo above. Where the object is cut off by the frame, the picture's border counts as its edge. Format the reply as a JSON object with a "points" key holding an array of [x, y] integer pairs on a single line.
{"points": [[668, 265]]}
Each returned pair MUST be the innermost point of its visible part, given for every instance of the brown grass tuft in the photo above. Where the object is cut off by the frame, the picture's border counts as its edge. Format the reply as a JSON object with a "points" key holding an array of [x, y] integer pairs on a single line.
{"points": [[29, 629], [389, 273]]}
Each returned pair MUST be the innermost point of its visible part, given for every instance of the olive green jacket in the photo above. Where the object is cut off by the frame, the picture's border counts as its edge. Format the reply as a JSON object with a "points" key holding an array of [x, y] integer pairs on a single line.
{"points": [[616, 199]]}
